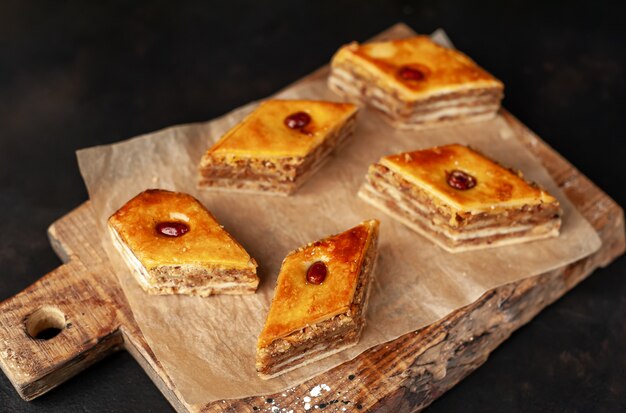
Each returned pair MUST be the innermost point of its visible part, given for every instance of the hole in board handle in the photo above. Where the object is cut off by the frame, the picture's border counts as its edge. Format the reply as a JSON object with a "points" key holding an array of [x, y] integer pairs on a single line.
{"points": [[45, 323]]}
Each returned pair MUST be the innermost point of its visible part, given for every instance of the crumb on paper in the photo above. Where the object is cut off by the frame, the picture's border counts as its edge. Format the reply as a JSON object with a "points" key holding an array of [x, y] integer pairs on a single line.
{"points": [[317, 390], [506, 133]]}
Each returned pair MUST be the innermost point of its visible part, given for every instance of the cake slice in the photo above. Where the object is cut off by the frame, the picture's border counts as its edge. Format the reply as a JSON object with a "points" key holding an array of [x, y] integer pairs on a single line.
{"points": [[320, 300], [460, 199], [278, 146], [174, 245], [415, 82]]}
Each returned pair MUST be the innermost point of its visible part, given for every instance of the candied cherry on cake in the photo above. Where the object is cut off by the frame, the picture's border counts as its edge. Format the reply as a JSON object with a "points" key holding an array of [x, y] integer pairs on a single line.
{"points": [[411, 73], [297, 120], [316, 274], [461, 180], [172, 229]]}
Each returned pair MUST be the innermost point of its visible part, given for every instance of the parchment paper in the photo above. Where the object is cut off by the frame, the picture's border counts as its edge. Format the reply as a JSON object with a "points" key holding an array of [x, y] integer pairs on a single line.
{"points": [[207, 345]]}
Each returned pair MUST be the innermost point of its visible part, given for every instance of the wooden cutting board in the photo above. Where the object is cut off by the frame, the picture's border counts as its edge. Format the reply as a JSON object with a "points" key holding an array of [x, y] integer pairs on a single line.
{"points": [[83, 302]]}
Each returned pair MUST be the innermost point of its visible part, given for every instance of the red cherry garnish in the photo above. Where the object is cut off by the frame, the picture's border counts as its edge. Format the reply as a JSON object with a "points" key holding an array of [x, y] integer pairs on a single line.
{"points": [[297, 120], [316, 274], [411, 73], [172, 229], [461, 180]]}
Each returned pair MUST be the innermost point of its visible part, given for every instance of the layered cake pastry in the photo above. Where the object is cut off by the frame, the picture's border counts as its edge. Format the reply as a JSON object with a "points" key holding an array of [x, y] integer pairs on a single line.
{"points": [[173, 245], [415, 82], [320, 300], [278, 146], [460, 199]]}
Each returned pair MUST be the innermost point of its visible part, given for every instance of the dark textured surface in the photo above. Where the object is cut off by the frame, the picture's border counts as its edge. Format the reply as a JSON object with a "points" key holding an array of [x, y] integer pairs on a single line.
{"points": [[74, 75]]}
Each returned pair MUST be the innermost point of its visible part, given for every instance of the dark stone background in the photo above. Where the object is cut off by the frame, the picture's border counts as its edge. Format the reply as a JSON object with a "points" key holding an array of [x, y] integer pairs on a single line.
{"points": [[74, 74]]}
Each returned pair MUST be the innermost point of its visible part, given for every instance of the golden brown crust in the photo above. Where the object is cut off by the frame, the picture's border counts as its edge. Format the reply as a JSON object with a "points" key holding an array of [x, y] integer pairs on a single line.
{"points": [[263, 134], [296, 303], [206, 243], [496, 187], [445, 70], [272, 175]]}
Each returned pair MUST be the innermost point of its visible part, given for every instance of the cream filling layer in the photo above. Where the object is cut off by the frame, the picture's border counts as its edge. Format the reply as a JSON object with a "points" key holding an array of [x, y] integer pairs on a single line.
{"points": [[483, 105], [212, 285], [550, 229], [371, 192], [311, 357], [354, 86], [141, 274]]}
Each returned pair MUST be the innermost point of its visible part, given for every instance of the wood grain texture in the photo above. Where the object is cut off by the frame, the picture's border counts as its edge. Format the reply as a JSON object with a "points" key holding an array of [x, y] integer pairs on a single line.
{"points": [[403, 375]]}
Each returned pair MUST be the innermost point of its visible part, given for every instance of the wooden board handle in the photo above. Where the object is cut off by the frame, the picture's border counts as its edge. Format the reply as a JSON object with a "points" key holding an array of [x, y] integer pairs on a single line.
{"points": [[56, 328]]}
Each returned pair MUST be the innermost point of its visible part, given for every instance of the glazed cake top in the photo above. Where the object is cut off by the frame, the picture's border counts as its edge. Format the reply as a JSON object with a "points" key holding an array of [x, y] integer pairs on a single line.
{"points": [[442, 172], [283, 128], [204, 242], [415, 68]]}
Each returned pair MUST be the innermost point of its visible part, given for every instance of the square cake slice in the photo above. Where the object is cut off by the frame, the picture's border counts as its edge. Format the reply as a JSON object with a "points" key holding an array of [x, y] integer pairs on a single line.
{"points": [[415, 82], [278, 146], [174, 245], [460, 199], [320, 301]]}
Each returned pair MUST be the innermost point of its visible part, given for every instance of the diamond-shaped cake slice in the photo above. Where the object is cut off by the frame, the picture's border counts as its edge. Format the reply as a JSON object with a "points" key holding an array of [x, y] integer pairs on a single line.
{"points": [[320, 300], [415, 82], [460, 199], [175, 246], [278, 146]]}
